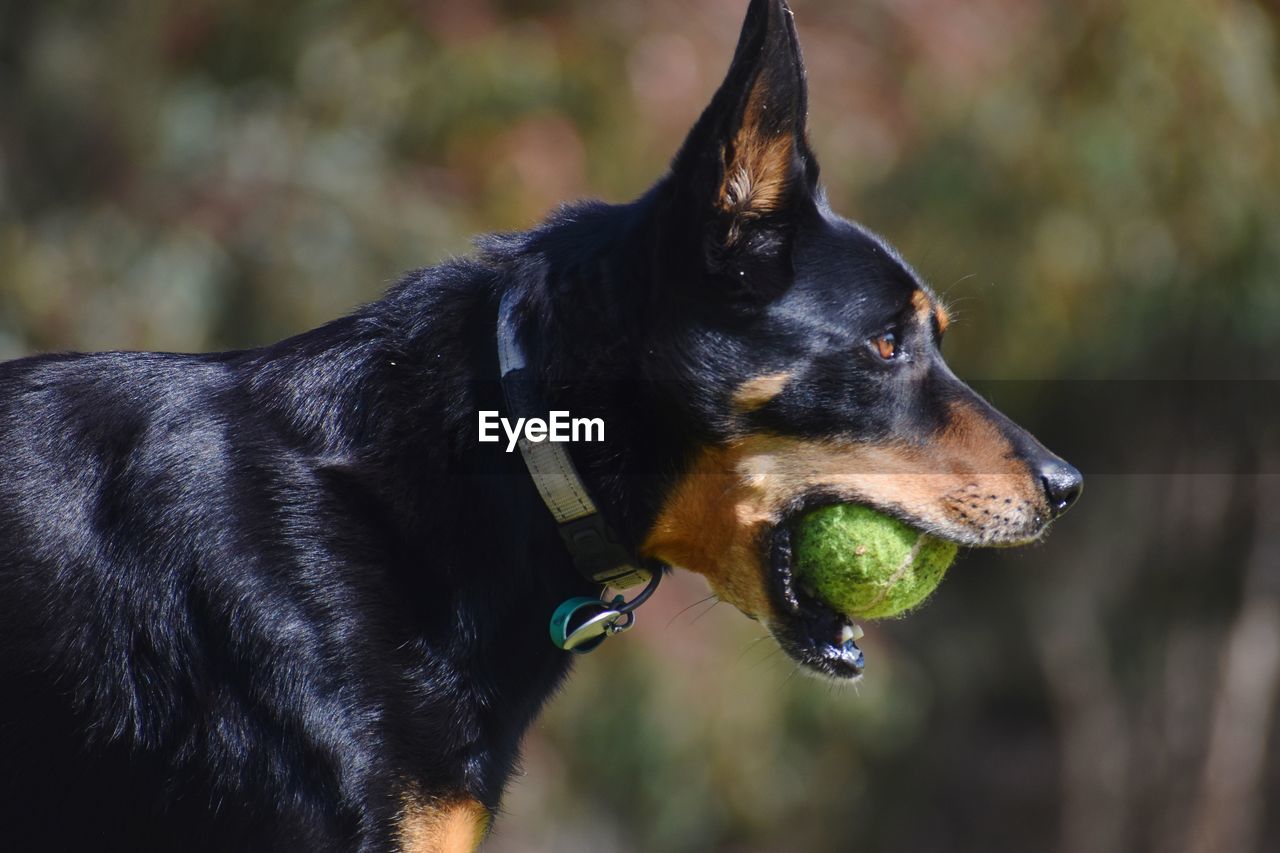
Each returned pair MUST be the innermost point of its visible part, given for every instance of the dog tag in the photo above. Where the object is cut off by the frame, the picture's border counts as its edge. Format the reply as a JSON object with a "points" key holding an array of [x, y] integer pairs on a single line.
{"points": [[580, 625]]}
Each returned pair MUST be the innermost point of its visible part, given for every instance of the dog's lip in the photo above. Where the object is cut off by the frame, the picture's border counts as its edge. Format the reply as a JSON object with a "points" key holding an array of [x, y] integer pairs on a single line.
{"points": [[1037, 530], [812, 633]]}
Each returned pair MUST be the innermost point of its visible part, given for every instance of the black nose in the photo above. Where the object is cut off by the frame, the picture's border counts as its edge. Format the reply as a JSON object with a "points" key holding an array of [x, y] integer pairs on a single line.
{"points": [[1062, 485]]}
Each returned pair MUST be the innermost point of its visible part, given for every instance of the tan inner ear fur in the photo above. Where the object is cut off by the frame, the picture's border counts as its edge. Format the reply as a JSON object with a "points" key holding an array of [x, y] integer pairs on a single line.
{"points": [[966, 484], [442, 826], [761, 167]]}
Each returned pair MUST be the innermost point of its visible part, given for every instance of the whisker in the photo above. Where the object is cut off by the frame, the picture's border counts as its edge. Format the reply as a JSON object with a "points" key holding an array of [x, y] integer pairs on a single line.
{"points": [[685, 610], [750, 647], [961, 280], [767, 657], [705, 612]]}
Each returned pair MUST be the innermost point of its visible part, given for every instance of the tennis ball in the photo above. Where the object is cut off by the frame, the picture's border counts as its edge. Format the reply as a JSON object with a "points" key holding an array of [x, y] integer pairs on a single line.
{"points": [[865, 564]]}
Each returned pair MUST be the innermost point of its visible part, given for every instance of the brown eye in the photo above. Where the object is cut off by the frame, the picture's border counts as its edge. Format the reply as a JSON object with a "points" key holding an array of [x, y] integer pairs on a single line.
{"points": [[886, 345]]}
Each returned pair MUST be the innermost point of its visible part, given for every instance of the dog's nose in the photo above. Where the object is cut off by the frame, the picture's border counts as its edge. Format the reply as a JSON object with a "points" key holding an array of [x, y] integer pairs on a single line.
{"points": [[1062, 484]]}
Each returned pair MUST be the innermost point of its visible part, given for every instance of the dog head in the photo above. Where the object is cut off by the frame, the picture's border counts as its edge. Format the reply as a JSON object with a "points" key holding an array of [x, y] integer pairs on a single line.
{"points": [[806, 352]]}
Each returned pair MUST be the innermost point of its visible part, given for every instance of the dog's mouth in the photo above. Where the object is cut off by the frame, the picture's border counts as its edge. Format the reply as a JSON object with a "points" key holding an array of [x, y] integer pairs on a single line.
{"points": [[814, 634]]}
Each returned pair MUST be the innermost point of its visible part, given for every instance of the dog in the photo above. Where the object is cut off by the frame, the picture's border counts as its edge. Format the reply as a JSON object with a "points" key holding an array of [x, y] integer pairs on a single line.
{"points": [[288, 599]]}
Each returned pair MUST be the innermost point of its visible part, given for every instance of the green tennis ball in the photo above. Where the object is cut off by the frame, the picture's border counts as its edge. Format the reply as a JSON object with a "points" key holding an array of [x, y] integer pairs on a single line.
{"points": [[865, 564]]}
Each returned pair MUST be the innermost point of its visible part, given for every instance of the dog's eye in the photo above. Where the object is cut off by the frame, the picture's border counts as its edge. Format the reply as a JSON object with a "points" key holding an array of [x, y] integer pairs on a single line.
{"points": [[887, 345]]}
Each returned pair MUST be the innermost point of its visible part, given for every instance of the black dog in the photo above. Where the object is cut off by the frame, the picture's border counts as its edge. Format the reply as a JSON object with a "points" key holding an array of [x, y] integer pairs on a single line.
{"points": [[286, 599]]}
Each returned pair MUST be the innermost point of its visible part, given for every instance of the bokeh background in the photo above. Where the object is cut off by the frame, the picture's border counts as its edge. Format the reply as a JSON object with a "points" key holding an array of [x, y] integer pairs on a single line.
{"points": [[1093, 185]]}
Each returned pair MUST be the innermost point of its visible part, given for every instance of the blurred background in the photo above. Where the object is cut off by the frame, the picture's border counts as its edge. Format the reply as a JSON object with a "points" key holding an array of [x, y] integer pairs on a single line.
{"points": [[1094, 187]]}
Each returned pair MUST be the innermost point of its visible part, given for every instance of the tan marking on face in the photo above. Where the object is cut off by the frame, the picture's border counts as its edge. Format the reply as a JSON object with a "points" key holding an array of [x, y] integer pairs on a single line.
{"points": [[715, 520], [921, 303], [442, 826], [759, 171], [943, 318], [759, 390], [926, 308]]}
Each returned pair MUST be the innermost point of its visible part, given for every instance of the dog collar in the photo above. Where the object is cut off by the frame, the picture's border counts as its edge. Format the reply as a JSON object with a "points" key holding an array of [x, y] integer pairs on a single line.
{"points": [[579, 624]]}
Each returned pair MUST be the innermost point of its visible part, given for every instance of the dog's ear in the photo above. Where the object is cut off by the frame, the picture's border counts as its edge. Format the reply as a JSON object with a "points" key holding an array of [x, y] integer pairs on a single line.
{"points": [[746, 171]]}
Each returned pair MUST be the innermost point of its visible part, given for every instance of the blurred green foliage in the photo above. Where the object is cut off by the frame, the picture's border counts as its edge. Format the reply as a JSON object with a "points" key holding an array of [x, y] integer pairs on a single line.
{"points": [[1094, 186]]}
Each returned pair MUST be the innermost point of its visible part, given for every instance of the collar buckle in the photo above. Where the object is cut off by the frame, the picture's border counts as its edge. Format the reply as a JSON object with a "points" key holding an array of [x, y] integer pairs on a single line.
{"points": [[598, 555]]}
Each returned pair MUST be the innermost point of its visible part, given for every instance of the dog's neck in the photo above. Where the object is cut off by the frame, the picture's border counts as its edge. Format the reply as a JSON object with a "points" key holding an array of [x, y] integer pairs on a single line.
{"points": [[587, 284], [460, 552], [386, 402]]}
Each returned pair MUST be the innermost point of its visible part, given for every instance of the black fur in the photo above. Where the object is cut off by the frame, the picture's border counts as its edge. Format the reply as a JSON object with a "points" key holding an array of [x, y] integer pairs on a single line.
{"points": [[251, 596], [252, 599]]}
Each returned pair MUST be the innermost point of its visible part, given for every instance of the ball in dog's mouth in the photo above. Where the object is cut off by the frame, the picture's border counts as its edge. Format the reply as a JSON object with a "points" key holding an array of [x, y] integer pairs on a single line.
{"points": [[866, 564], [839, 563]]}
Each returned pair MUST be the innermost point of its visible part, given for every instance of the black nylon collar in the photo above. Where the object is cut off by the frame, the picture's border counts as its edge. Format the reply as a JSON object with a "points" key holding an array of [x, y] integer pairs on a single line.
{"points": [[597, 553]]}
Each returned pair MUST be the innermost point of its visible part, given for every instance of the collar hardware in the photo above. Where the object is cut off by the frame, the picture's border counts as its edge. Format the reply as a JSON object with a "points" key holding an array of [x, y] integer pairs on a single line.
{"points": [[580, 625]]}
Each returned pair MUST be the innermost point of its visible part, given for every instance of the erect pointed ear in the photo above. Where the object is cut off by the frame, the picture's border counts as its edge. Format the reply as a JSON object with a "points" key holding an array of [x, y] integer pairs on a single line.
{"points": [[746, 168]]}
